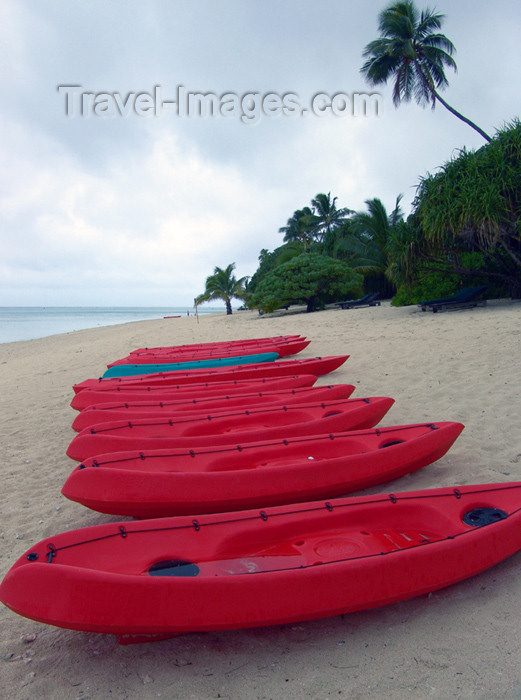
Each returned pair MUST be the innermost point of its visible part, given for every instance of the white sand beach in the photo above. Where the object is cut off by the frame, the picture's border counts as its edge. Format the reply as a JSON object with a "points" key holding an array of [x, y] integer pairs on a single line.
{"points": [[461, 642]]}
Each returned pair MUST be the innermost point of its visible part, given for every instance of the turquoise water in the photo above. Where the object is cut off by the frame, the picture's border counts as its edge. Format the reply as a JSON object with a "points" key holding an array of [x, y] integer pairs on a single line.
{"points": [[28, 322]]}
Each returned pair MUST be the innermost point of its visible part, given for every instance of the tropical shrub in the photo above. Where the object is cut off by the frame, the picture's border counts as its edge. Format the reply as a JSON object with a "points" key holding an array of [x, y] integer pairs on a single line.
{"points": [[268, 261], [474, 204], [434, 285], [310, 279], [431, 284]]}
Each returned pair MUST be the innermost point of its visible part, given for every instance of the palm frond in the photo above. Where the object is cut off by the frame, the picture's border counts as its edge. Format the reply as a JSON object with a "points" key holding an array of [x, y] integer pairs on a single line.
{"points": [[413, 51]]}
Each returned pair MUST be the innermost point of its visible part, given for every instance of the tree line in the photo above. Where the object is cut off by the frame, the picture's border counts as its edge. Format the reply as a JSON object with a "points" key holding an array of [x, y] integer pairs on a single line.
{"points": [[464, 227]]}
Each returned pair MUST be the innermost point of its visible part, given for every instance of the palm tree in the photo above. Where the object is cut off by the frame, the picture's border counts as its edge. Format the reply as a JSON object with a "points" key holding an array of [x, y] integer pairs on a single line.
{"points": [[326, 216], [412, 51], [299, 226], [404, 250], [223, 285], [367, 246]]}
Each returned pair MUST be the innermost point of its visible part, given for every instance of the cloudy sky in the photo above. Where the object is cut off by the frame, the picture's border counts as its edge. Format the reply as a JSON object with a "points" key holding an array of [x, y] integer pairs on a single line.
{"points": [[97, 208]]}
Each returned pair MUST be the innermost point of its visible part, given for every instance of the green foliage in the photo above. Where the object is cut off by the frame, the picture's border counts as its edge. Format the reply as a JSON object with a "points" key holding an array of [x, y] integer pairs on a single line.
{"points": [[269, 261], [335, 240], [299, 227], [411, 50], [327, 217], [316, 222], [310, 279], [465, 230], [429, 284], [403, 248], [370, 232], [434, 285], [474, 203], [223, 285]]}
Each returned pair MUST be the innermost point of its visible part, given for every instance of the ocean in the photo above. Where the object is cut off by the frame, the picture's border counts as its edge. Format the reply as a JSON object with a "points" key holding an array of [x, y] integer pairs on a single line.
{"points": [[29, 322]]}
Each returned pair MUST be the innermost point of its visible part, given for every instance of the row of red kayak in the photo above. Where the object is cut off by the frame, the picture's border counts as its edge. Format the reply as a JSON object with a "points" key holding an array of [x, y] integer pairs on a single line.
{"points": [[283, 347], [241, 472]]}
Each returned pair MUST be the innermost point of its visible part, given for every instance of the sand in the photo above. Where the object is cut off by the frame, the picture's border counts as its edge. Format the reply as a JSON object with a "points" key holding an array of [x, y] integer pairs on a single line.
{"points": [[462, 642]]}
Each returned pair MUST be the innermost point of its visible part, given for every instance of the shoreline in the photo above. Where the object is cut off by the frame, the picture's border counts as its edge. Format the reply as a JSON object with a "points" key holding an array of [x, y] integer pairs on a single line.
{"points": [[459, 642], [19, 323]]}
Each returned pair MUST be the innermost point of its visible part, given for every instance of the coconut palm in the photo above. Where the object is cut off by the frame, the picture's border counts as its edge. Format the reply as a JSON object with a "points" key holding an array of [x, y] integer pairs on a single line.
{"points": [[411, 50], [223, 285], [326, 216], [299, 226], [404, 250], [370, 232]]}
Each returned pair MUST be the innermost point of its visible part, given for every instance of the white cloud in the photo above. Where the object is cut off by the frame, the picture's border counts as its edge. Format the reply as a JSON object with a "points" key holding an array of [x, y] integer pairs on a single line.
{"points": [[151, 227]]}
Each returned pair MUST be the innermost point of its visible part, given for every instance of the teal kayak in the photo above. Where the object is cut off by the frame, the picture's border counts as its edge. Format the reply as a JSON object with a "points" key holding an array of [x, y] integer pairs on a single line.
{"points": [[129, 370]]}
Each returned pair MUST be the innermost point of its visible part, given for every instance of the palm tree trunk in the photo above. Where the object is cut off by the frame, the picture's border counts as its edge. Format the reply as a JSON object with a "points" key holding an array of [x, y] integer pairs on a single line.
{"points": [[460, 116], [436, 96], [228, 307], [463, 119]]}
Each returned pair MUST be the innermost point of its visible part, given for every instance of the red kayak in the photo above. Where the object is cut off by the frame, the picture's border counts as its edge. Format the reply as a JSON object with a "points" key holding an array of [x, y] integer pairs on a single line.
{"points": [[231, 427], [221, 344], [316, 365], [278, 565], [154, 357], [158, 483], [189, 392], [127, 410]]}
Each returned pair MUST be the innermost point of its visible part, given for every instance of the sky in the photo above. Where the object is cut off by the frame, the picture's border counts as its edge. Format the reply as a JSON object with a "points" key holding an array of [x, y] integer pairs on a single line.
{"points": [[110, 196]]}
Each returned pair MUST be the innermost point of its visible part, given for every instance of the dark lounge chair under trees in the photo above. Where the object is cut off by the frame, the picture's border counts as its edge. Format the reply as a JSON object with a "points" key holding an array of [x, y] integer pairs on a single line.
{"points": [[366, 300], [466, 298]]}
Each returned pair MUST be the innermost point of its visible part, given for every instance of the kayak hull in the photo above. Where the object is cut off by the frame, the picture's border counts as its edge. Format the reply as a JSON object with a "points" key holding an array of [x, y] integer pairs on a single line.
{"points": [[276, 566], [127, 410], [223, 344], [159, 483], [316, 366], [230, 428], [127, 370], [283, 349], [188, 392]]}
